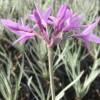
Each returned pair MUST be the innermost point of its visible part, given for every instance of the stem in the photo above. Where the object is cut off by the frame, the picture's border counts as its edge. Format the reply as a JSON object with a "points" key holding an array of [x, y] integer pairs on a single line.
{"points": [[50, 62]]}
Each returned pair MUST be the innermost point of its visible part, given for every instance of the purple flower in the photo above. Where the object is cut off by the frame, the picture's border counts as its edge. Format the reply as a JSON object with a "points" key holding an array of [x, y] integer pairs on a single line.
{"points": [[39, 17], [87, 34], [72, 23], [58, 21], [24, 32], [65, 21], [58, 24], [41, 21]]}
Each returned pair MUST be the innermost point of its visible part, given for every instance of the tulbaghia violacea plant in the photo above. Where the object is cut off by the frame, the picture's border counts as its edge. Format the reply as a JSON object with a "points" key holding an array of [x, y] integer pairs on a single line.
{"points": [[51, 29]]}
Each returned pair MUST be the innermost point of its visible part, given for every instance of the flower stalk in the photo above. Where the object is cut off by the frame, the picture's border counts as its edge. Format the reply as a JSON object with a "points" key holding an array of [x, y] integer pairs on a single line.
{"points": [[51, 73]]}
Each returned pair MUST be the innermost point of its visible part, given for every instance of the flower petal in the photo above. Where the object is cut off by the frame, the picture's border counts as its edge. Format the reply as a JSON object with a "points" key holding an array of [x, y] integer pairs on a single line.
{"points": [[9, 24], [24, 38], [90, 28], [61, 11], [38, 20], [17, 28], [92, 38], [73, 23], [47, 14]]}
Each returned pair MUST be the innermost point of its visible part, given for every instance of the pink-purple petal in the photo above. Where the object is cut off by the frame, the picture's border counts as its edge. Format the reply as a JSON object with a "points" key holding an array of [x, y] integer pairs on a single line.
{"points": [[47, 14], [24, 38], [9, 24], [38, 20], [61, 10], [92, 38], [90, 28], [73, 23], [17, 28]]}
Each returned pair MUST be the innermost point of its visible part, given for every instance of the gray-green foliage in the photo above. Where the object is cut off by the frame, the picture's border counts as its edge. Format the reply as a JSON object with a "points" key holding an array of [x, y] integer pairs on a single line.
{"points": [[72, 62], [89, 9], [9, 81]]}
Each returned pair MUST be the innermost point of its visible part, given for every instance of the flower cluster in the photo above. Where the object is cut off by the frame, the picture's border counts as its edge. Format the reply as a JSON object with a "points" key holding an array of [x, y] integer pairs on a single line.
{"points": [[51, 28]]}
